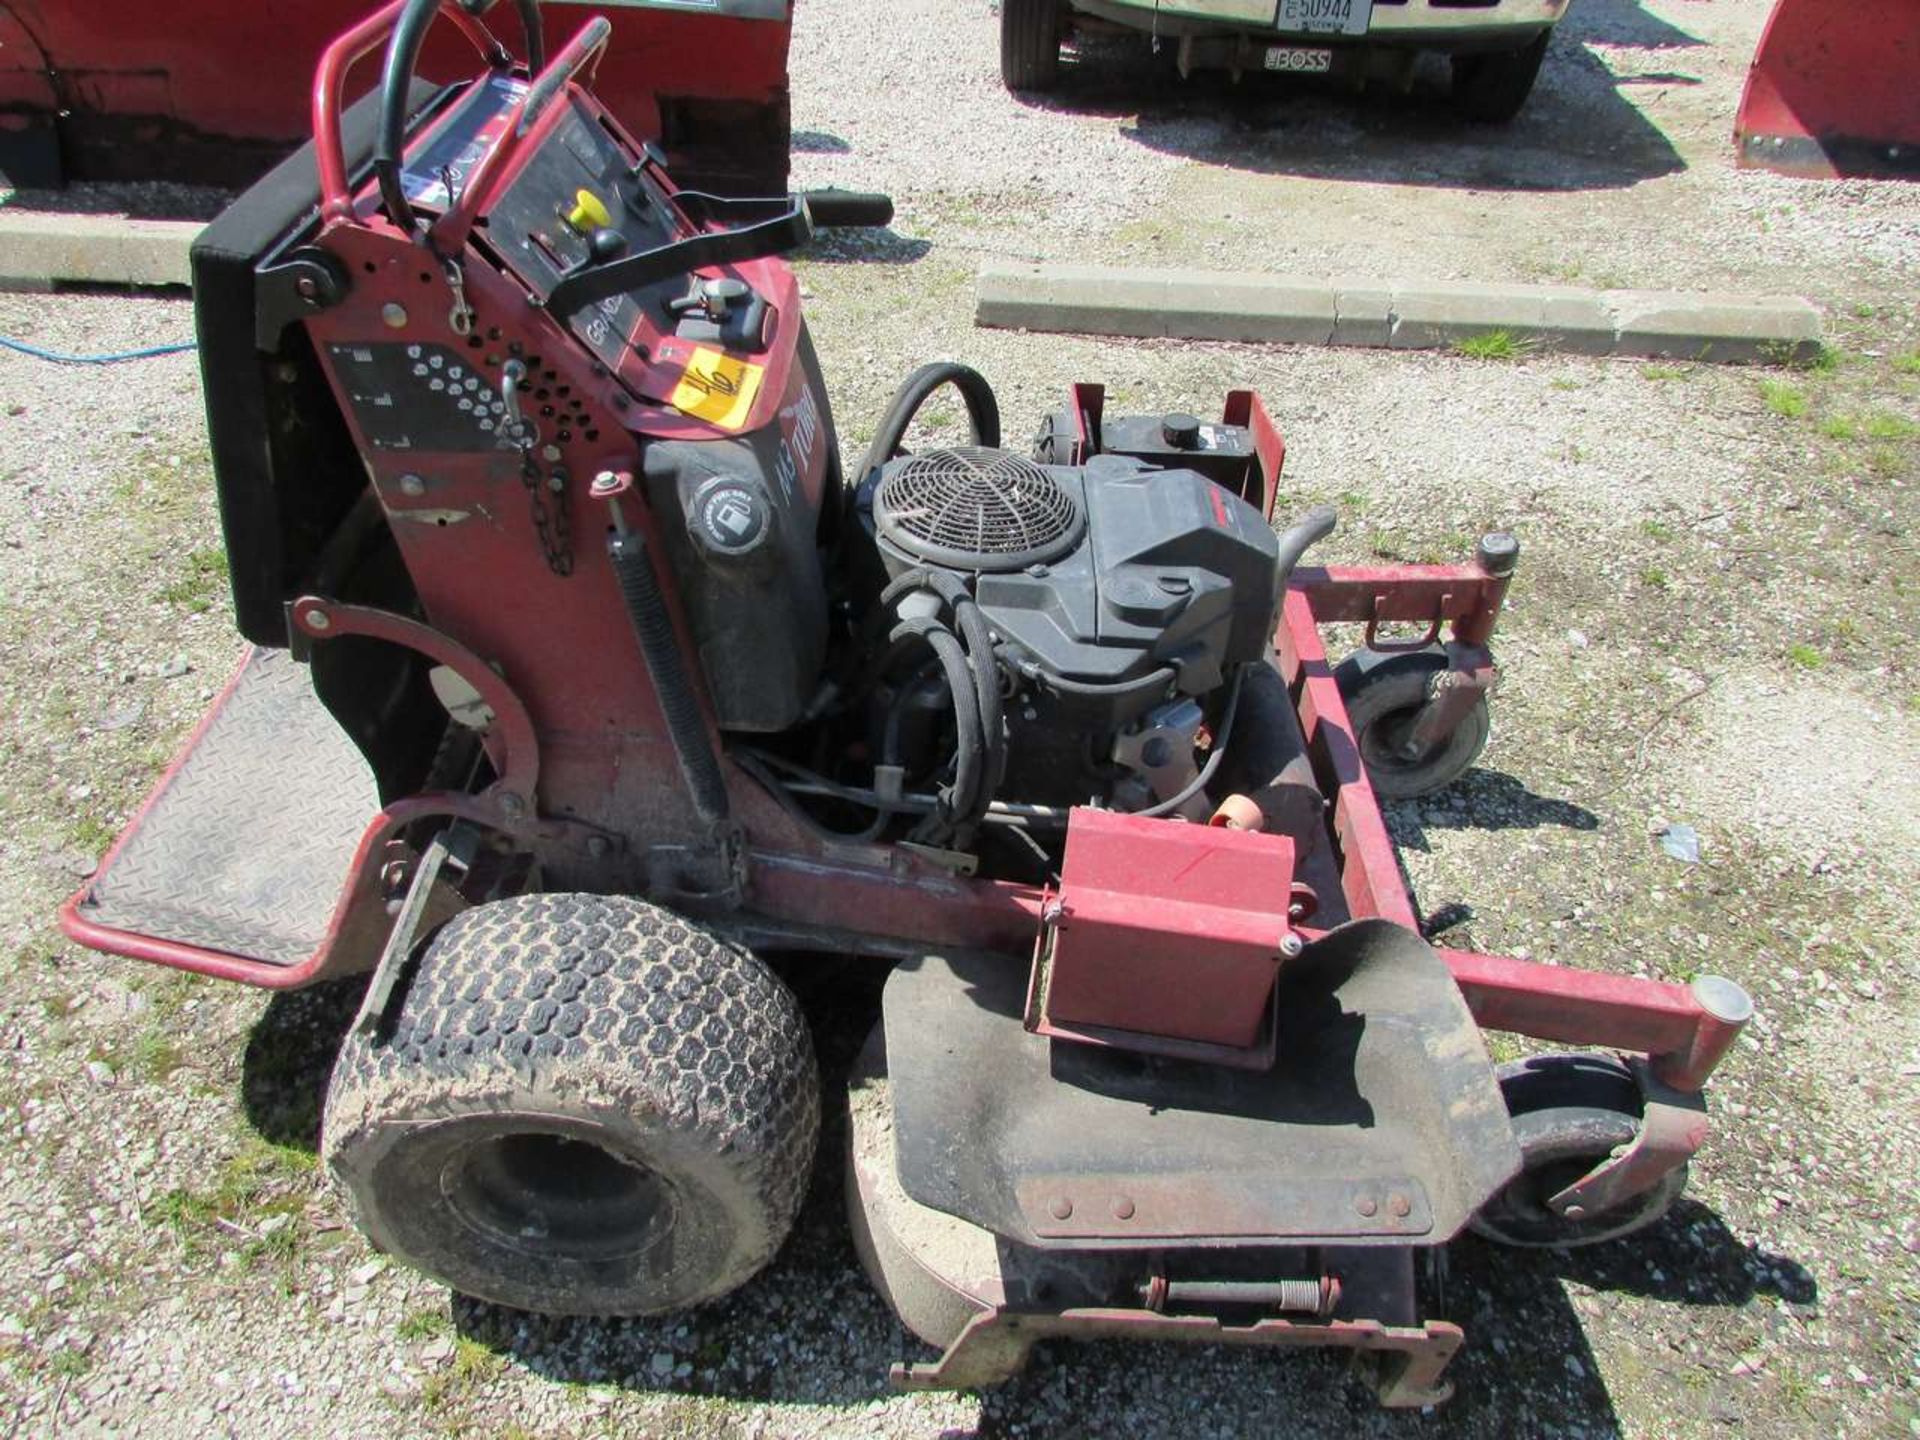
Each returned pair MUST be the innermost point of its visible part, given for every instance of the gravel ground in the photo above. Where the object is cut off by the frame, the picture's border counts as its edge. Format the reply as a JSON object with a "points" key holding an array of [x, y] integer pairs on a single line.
{"points": [[1713, 626], [1617, 174]]}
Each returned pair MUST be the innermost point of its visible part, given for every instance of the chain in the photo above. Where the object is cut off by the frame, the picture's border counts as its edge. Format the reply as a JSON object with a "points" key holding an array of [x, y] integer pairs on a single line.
{"points": [[550, 520]]}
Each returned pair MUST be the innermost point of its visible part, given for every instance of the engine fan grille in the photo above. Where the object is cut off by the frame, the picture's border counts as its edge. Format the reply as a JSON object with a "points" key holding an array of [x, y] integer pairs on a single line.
{"points": [[976, 509]]}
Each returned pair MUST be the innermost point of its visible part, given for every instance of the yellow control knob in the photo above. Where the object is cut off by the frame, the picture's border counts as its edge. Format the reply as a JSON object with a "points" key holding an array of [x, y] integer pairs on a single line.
{"points": [[589, 213]]}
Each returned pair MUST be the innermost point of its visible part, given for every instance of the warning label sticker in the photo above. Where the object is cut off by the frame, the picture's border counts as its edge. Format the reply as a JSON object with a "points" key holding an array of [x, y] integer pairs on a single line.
{"points": [[717, 388]]}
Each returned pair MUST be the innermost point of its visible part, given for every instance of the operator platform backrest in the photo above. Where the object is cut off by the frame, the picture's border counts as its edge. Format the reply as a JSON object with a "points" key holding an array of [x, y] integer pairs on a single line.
{"points": [[284, 464]]}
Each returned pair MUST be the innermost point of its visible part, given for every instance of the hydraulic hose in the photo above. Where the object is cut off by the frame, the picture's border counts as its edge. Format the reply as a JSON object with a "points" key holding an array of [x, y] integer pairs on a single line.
{"points": [[974, 631], [1314, 526], [970, 744], [896, 711], [983, 411]]}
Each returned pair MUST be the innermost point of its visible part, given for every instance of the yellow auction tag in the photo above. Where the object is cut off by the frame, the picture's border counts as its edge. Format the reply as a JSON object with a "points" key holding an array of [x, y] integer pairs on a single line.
{"points": [[717, 388]]}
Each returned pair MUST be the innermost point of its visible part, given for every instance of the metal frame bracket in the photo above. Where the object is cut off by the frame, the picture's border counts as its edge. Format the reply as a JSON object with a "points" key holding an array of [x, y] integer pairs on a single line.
{"points": [[1673, 1126]]}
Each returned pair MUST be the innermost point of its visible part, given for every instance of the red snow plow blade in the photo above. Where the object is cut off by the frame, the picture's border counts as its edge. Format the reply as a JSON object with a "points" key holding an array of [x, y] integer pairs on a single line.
{"points": [[1834, 90], [216, 91]]}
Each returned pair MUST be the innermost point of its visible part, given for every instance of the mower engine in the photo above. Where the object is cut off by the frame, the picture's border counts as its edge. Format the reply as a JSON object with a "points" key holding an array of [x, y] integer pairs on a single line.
{"points": [[1123, 597]]}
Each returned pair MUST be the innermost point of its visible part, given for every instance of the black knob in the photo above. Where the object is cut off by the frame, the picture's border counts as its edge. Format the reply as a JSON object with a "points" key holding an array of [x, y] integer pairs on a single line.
{"points": [[606, 244], [722, 295], [1181, 431]]}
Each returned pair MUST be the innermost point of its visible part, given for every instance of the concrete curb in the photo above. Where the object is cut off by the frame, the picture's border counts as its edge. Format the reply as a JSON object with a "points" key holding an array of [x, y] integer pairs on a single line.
{"points": [[1204, 305], [37, 249]]}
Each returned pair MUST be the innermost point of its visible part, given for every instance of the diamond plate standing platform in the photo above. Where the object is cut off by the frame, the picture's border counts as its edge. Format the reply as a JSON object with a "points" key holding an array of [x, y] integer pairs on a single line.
{"points": [[245, 845]]}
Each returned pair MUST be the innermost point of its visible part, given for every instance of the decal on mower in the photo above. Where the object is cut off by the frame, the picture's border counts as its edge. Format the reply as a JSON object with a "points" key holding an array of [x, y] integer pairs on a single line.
{"points": [[717, 388], [800, 432], [433, 176], [418, 397]]}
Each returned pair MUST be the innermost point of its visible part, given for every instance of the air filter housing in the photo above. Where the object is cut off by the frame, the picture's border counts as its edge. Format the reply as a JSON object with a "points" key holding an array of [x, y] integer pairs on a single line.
{"points": [[975, 509]]}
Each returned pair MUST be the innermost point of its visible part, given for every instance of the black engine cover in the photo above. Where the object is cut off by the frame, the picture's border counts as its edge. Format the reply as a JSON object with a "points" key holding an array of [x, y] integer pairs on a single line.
{"points": [[1172, 570]]}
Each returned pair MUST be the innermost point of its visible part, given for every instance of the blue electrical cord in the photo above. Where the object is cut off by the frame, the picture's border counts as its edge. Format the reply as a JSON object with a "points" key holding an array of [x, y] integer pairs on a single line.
{"points": [[112, 358]]}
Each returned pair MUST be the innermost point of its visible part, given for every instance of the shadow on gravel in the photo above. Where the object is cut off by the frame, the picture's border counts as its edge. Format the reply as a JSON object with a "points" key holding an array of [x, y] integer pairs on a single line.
{"points": [[1579, 131], [819, 142], [1689, 1258], [289, 1059], [1625, 22], [864, 247], [1485, 800]]}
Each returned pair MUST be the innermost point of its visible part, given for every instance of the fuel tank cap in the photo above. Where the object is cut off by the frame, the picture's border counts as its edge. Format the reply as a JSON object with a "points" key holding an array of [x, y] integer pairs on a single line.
{"points": [[729, 518]]}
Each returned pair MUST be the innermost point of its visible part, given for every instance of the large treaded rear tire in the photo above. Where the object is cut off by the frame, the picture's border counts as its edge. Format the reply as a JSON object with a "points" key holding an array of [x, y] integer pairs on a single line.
{"points": [[1030, 34], [586, 1105]]}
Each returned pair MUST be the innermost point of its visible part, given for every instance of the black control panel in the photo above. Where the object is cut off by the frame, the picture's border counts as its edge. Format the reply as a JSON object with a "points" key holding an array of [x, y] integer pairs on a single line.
{"points": [[545, 229]]}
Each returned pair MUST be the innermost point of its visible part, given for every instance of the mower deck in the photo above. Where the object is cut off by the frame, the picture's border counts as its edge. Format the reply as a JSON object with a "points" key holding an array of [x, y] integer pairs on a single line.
{"points": [[1379, 1124], [207, 864]]}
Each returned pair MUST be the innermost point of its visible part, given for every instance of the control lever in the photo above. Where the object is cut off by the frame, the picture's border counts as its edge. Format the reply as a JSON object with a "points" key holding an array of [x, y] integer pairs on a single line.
{"points": [[713, 298], [515, 429], [736, 311], [771, 227]]}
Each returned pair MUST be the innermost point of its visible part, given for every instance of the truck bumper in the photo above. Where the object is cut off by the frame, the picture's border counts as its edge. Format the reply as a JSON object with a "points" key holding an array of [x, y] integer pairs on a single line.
{"points": [[1411, 23]]}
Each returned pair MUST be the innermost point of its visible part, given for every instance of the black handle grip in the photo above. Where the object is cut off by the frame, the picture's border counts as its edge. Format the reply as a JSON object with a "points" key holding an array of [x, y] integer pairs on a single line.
{"points": [[403, 54], [850, 208]]}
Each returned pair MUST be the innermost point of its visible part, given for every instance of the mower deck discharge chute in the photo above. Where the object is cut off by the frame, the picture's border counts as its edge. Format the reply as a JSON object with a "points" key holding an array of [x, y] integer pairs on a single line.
{"points": [[586, 686]]}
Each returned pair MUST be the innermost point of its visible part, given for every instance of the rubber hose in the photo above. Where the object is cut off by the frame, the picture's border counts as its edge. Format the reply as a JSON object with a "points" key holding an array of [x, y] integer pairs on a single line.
{"points": [[1315, 525], [890, 732], [396, 77], [890, 743], [971, 622], [1207, 771], [660, 648], [969, 743], [986, 679], [983, 411]]}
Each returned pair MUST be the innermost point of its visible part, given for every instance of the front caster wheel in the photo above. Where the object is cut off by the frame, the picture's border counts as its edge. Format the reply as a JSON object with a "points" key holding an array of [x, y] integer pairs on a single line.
{"points": [[586, 1106], [1385, 692], [1570, 1113]]}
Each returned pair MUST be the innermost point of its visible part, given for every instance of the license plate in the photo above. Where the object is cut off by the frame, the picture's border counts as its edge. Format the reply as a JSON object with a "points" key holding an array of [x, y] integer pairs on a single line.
{"points": [[1325, 17], [1293, 60]]}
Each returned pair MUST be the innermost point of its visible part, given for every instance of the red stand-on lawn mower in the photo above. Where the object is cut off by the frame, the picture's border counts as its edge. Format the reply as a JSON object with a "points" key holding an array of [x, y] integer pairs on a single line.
{"points": [[583, 675]]}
